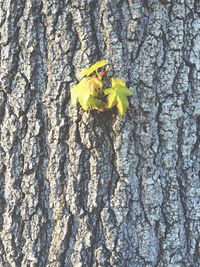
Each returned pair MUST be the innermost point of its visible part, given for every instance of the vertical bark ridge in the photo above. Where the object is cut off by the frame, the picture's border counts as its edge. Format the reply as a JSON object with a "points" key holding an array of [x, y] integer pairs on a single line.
{"points": [[89, 189]]}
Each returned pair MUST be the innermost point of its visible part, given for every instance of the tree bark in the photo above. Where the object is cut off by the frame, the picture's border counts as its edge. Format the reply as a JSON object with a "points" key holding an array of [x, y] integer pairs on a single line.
{"points": [[95, 189]]}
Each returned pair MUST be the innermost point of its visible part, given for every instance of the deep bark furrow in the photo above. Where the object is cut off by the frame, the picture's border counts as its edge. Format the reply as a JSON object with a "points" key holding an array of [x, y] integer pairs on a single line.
{"points": [[95, 189]]}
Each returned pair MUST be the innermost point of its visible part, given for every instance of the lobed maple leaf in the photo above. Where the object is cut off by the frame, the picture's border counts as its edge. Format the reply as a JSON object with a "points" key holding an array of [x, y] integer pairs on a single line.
{"points": [[94, 67], [117, 95], [90, 92], [86, 93]]}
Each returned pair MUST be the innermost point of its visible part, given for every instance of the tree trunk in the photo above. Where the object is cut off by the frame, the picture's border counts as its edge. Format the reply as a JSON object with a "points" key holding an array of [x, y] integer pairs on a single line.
{"points": [[95, 189]]}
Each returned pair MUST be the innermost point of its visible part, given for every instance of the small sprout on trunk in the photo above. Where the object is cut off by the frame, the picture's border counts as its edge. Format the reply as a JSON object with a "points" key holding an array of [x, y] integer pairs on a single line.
{"points": [[97, 91]]}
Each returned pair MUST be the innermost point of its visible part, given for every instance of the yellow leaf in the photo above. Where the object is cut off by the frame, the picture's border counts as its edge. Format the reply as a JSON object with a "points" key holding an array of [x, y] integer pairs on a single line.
{"points": [[95, 103], [117, 95], [111, 98], [85, 93], [90, 70], [79, 89], [95, 86], [83, 99], [118, 82], [122, 90], [122, 104], [108, 91]]}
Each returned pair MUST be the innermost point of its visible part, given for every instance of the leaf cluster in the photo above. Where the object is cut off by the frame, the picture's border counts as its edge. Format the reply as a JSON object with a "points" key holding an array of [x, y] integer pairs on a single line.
{"points": [[97, 91]]}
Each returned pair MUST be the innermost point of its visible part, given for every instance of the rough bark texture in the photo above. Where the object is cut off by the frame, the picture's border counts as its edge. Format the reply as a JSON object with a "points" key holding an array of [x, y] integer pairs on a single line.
{"points": [[87, 189]]}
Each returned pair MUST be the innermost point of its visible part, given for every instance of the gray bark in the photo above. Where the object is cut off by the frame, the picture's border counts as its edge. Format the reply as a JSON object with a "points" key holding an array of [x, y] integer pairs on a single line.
{"points": [[93, 189]]}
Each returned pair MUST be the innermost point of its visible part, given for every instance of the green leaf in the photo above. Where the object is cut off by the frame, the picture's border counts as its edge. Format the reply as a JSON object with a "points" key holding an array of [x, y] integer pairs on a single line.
{"points": [[78, 90], [111, 99], [118, 82], [122, 104], [84, 100], [95, 103], [94, 67], [94, 85], [117, 95], [108, 91], [90, 92], [85, 93], [122, 90]]}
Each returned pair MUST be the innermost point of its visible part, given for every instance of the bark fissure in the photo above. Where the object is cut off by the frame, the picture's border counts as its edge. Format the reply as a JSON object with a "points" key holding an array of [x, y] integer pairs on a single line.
{"points": [[82, 188]]}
